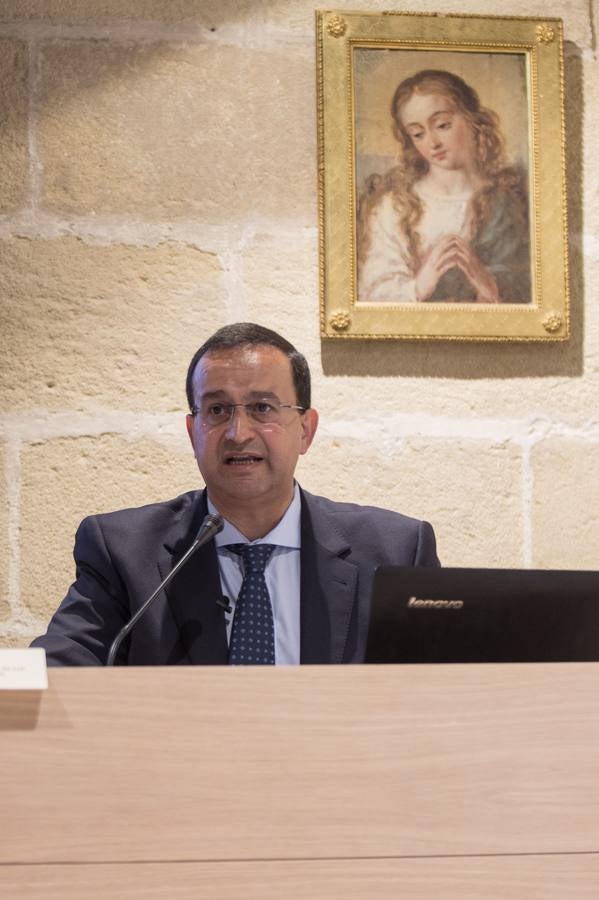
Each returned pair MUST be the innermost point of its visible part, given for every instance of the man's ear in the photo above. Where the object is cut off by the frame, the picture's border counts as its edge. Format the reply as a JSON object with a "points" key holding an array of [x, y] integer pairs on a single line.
{"points": [[309, 426], [189, 426]]}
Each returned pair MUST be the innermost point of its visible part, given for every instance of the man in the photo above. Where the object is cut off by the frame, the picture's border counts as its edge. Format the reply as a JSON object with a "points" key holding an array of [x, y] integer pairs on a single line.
{"points": [[305, 601]]}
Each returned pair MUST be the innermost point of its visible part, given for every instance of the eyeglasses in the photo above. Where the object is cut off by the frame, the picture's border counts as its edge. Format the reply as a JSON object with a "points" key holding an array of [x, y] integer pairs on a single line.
{"points": [[263, 412]]}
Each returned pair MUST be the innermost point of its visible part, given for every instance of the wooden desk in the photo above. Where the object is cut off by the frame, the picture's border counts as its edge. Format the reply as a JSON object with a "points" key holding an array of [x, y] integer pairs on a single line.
{"points": [[419, 782]]}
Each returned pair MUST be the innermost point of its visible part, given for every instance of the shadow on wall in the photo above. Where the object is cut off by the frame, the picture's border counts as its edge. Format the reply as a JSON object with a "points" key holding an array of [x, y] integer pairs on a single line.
{"points": [[137, 110], [471, 360], [188, 13]]}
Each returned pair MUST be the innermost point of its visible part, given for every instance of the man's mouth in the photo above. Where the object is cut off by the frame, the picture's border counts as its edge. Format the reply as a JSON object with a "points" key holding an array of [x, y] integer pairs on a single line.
{"points": [[243, 459]]}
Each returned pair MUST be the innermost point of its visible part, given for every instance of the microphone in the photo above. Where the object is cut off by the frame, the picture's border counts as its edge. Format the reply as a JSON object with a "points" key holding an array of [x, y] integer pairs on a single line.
{"points": [[211, 525], [224, 603]]}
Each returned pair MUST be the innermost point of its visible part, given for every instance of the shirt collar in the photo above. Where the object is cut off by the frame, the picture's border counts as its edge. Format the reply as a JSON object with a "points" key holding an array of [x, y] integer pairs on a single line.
{"points": [[286, 532]]}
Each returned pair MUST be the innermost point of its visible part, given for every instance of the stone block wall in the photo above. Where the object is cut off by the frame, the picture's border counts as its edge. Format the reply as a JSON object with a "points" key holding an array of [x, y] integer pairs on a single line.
{"points": [[157, 180]]}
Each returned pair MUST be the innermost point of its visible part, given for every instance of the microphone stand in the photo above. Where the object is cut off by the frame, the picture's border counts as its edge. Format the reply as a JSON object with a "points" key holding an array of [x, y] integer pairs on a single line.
{"points": [[208, 529]]}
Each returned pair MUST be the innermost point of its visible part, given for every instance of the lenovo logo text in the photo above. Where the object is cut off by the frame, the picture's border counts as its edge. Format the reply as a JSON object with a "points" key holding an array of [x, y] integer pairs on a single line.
{"points": [[416, 602]]}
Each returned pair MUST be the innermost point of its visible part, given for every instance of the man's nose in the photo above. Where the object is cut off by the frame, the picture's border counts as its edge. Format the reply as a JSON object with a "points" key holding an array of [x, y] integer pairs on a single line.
{"points": [[240, 426]]}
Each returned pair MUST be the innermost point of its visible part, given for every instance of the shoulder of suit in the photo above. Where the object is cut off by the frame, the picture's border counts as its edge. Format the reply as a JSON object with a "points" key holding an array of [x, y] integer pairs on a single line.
{"points": [[372, 515], [161, 512]]}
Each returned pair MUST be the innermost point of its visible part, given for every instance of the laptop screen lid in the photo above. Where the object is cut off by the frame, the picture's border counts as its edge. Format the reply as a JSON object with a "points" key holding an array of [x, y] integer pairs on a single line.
{"points": [[437, 615]]}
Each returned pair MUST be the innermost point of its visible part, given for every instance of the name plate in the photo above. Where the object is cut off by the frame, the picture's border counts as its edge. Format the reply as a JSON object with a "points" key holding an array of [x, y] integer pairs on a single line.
{"points": [[23, 670]]}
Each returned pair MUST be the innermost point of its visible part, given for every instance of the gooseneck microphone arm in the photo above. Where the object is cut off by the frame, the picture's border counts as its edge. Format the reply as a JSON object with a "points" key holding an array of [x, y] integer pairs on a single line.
{"points": [[211, 525]]}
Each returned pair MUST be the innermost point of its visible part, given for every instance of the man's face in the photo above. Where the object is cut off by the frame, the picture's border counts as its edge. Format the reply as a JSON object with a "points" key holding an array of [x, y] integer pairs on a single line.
{"points": [[243, 461]]}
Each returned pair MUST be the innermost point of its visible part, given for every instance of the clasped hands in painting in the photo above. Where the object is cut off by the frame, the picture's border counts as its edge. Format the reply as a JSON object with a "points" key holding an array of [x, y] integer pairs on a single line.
{"points": [[449, 252]]}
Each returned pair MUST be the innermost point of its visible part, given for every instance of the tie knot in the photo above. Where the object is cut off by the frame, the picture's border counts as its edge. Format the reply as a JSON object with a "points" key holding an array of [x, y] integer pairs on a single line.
{"points": [[255, 556]]}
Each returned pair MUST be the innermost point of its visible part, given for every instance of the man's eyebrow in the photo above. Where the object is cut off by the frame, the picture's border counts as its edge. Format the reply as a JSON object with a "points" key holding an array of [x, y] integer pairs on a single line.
{"points": [[212, 395], [263, 395], [251, 395]]}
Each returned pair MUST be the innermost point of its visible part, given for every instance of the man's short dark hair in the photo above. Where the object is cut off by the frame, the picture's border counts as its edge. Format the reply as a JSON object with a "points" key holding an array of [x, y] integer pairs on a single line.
{"points": [[243, 333]]}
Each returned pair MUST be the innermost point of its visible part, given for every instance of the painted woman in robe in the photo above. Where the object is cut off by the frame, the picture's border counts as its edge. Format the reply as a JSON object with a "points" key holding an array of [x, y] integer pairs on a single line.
{"points": [[450, 221]]}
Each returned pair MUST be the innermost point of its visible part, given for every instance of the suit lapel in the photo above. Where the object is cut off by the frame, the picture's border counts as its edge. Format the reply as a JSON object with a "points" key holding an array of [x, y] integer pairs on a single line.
{"points": [[328, 587], [193, 593]]}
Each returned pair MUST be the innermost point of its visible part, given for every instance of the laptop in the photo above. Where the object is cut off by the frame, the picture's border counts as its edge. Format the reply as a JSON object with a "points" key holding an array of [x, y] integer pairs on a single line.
{"points": [[437, 615]]}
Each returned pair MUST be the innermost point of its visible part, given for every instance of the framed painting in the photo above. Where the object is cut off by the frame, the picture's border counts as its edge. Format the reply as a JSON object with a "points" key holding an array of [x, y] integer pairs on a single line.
{"points": [[442, 194]]}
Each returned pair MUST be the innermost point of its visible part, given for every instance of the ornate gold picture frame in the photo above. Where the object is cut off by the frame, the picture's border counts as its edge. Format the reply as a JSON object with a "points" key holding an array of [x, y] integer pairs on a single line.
{"points": [[442, 198]]}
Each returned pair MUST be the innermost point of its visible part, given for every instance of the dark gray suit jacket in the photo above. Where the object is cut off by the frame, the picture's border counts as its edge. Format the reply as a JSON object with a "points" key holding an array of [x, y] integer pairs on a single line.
{"points": [[122, 556]]}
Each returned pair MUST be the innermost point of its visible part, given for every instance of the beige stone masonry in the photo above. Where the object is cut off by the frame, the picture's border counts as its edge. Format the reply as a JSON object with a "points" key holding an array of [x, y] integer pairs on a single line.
{"points": [[19, 638], [449, 482], [565, 513], [206, 12], [286, 297], [284, 15], [66, 479], [393, 388], [90, 326], [165, 131], [4, 554], [14, 99]]}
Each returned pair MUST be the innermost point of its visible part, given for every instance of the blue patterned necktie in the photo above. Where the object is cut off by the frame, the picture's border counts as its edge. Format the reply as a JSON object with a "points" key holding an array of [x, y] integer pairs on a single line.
{"points": [[253, 634]]}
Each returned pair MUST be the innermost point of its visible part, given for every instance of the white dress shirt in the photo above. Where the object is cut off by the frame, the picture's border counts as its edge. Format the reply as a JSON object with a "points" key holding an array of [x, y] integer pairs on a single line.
{"points": [[282, 576]]}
